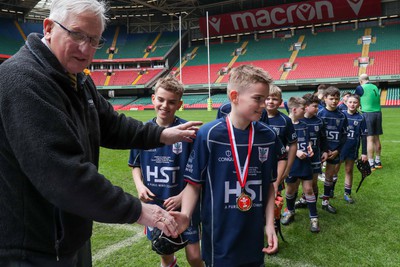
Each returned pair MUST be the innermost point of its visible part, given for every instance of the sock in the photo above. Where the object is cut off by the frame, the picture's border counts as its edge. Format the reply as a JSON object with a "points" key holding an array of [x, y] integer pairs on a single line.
{"points": [[290, 199], [377, 159], [347, 189], [312, 206], [173, 264], [334, 182], [327, 189]]}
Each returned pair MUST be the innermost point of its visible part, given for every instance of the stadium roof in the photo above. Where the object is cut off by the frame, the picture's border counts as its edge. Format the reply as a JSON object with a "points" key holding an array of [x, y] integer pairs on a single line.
{"points": [[144, 10]]}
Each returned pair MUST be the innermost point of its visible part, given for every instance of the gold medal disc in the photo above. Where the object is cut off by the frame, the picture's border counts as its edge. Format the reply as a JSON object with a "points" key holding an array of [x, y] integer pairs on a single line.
{"points": [[244, 202]]}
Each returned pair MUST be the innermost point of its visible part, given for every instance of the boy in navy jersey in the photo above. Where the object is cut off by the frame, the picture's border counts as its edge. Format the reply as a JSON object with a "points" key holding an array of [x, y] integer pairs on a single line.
{"points": [[233, 166], [357, 131], [301, 169], [283, 126], [158, 173], [316, 130], [343, 105], [336, 132], [320, 94]]}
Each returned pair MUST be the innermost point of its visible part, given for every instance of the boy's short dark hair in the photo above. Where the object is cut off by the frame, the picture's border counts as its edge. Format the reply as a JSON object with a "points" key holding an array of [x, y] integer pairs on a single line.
{"points": [[355, 96], [310, 99], [346, 93], [332, 91]]}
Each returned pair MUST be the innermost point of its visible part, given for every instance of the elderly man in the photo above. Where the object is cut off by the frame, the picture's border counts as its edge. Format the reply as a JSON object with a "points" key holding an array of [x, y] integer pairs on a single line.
{"points": [[52, 124], [371, 108]]}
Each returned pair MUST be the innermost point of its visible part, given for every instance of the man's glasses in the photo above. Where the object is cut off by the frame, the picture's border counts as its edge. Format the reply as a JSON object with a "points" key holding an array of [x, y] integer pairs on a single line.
{"points": [[81, 38]]}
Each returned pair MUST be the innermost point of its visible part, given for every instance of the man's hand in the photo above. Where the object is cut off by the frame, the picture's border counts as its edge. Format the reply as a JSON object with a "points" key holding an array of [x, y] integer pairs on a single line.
{"points": [[154, 216], [181, 133]]}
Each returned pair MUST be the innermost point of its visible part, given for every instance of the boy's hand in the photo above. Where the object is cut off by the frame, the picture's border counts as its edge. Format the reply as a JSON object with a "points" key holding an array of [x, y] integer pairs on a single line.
{"points": [[324, 157], [333, 154], [301, 155], [364, 158], [144, 193], [181, 219], [173, 203], [310, 151], [272, 239]]}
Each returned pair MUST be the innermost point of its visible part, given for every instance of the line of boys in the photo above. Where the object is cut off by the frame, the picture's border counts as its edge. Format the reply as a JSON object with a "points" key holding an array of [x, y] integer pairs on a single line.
{"points": [[234, 179]]}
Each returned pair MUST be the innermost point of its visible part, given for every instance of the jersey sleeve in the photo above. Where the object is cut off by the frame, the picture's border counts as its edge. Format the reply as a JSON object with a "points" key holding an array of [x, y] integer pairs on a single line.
{"points": [[343, 136], [363, 136], [291, 135], [323, 142], [134, 158], [359, 90], [223, 110], [197, 160]]}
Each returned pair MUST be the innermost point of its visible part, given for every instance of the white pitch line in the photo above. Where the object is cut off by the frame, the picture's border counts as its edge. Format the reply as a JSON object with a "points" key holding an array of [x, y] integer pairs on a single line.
{"points": [[127, 227], [391, 141], [103, 253], [286, 262]]}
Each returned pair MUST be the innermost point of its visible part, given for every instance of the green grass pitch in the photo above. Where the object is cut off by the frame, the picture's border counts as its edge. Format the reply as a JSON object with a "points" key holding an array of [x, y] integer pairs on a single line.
{"points": [[362, 234]]}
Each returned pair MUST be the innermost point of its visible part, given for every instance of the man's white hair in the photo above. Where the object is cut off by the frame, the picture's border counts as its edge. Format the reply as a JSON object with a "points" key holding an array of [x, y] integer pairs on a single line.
{"points": [[60, 10]]}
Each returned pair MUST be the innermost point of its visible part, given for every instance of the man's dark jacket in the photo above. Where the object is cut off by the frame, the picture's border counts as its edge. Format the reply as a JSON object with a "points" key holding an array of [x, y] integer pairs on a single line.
{"points": [[50, 134]]}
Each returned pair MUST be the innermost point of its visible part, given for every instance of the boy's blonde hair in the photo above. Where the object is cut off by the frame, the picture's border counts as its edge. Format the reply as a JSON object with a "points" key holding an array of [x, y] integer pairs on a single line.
{"points": [[245, 75], [296, 102], [171, 84], [275, 91]]}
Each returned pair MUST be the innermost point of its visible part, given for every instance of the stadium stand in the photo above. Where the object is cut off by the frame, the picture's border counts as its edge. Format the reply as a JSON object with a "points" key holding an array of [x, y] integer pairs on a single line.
{"points": [[393, 97], [11, 38], [323, 54]]}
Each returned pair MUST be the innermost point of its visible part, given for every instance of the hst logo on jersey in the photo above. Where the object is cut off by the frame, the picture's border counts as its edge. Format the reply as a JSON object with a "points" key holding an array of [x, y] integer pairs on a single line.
{"points": [[263, 154], [177, 148], [163, 175], [253, 188], [316, 128]]}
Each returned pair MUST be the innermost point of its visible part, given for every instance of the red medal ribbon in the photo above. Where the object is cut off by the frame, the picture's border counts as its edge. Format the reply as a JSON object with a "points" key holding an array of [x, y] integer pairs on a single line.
{"points": [[241, 175]]}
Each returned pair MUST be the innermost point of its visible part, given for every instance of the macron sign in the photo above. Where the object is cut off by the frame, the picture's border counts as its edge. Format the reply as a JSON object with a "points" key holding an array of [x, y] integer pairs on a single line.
{"points": [[310, 12]]}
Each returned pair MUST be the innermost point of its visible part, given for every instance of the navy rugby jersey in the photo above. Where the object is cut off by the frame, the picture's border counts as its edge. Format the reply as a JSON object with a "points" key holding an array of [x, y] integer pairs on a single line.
{"points": [[316, 131], [283, 126], [336, 128], [163, 167], [301, 167], [356, 130], [226, 229]]}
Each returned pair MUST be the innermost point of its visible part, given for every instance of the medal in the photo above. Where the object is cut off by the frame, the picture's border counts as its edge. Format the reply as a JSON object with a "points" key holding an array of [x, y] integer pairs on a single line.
{"points": [[243, 202]]}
